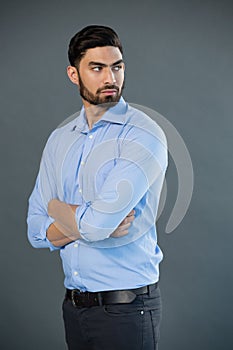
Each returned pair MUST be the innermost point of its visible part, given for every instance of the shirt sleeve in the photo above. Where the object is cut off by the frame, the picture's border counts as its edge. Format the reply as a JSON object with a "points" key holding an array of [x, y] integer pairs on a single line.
{"points": [[143, 159], [38, 219]]}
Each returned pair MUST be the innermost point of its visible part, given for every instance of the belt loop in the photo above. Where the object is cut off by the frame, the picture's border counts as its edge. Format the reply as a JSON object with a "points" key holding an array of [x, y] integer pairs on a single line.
{"points": [[99, 297], [149, 289], [152, 287]]}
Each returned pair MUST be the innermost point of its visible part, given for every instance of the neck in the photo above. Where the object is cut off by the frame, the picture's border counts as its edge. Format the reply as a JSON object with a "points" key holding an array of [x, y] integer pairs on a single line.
{"points": [[93, 113]]}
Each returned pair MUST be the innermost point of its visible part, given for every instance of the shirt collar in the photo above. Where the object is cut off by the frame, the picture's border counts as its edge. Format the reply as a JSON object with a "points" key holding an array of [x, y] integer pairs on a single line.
{"points": [[115, 114]]}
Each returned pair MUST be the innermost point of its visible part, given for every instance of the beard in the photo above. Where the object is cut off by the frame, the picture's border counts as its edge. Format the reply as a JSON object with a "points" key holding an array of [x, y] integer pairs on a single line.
{"points": [[97, 99]]}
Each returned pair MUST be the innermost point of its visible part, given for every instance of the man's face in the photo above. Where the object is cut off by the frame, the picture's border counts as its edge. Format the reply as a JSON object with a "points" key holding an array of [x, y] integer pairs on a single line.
{"points": [[101, 75]]}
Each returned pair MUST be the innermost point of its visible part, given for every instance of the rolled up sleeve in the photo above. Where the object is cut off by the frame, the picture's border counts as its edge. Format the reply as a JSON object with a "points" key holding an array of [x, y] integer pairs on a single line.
{"points": [[38, 219], [38, 222], [142, 160]]}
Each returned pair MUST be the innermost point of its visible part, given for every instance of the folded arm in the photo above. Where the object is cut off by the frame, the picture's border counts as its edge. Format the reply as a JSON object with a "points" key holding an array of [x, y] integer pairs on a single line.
{"points": [[137, 168], [64, 229], [142, 161]]}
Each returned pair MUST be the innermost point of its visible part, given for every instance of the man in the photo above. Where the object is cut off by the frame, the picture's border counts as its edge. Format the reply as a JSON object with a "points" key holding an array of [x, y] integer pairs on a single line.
{"points": [[96, 199]]}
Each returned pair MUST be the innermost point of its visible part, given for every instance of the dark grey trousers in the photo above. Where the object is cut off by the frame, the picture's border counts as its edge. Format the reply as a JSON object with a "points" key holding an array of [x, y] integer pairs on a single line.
{"points": [[132, 326]]}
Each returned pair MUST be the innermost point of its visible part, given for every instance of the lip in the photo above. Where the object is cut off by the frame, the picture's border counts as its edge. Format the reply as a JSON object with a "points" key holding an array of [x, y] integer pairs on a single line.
{"points": [[109, 92]]}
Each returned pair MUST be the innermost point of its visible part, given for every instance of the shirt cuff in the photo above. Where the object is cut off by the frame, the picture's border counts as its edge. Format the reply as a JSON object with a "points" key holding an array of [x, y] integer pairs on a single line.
{"points": [[80, 211], [43, 232]]}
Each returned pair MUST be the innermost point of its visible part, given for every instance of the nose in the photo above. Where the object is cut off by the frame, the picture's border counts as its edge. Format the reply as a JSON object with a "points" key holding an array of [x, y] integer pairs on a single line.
{"points": [[109, 77]]}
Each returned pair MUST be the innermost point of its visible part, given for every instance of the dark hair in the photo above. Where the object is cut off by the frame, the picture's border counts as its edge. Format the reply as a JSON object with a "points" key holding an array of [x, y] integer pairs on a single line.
{"points": [[89, 38]]}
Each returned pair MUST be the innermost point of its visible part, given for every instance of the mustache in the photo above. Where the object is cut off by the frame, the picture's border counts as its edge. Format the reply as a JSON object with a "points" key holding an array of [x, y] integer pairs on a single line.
{"points": [[108, 87]]}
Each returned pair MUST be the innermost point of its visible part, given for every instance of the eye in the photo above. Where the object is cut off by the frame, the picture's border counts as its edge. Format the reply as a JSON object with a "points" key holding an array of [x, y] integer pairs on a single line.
{"points": [[117, 68], [97, 69]]}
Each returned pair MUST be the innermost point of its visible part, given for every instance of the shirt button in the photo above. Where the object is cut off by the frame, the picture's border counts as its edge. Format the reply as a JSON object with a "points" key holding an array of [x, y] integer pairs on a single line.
{"points": [[76, 245], [75, 273], [82, 163], [80, 190], [90, 136]]}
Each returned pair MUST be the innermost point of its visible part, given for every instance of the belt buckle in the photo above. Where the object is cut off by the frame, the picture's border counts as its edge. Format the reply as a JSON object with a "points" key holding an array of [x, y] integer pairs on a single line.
{"points": [[84, 299]]}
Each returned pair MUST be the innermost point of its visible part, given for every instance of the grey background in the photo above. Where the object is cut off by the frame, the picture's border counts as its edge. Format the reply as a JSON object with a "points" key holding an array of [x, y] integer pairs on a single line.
{"points": [[179, 61]]}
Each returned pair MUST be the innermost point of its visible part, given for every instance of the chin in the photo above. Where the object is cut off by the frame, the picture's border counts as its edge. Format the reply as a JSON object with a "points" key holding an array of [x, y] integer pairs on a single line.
{"points": [[111, 99]]}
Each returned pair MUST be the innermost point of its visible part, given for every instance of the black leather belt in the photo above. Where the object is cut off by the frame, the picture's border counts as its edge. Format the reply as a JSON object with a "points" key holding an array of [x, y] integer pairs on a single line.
{"points": [[88, 299]]}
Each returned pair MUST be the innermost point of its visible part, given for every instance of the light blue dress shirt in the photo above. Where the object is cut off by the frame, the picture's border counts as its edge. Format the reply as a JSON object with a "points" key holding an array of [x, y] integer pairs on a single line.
{"points": [[117, 166]]}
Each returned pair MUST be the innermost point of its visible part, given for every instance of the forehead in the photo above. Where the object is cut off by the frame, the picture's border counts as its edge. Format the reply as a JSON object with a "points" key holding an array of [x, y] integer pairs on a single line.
{"points": [[105, 54]]}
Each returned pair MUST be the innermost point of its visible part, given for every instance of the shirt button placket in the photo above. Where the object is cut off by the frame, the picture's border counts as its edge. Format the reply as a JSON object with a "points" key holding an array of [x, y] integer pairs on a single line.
{"points": [[84, 155]]}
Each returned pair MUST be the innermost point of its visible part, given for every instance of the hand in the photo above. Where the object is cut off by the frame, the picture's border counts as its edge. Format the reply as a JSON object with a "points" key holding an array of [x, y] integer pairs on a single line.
{"points": [[122, 229]]}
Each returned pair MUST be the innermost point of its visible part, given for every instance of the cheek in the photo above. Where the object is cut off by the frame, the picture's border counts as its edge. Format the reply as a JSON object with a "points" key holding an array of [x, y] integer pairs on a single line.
{"points": [[91, 82], [120, 78], [121, 74]]}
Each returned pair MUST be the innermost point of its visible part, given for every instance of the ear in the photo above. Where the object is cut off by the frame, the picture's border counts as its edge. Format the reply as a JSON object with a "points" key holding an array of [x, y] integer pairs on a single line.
{"points": [[73, 74]]}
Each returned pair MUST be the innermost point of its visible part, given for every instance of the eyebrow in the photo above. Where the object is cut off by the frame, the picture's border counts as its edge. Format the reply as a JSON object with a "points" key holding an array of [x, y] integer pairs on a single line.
{"points": [[93, 63]]}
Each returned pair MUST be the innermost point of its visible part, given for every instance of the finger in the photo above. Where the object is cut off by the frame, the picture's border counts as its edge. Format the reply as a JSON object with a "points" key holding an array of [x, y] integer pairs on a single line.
{"points": [[123, 233], [132, 212], [128, 219], [123, 226], [119, 234]]}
